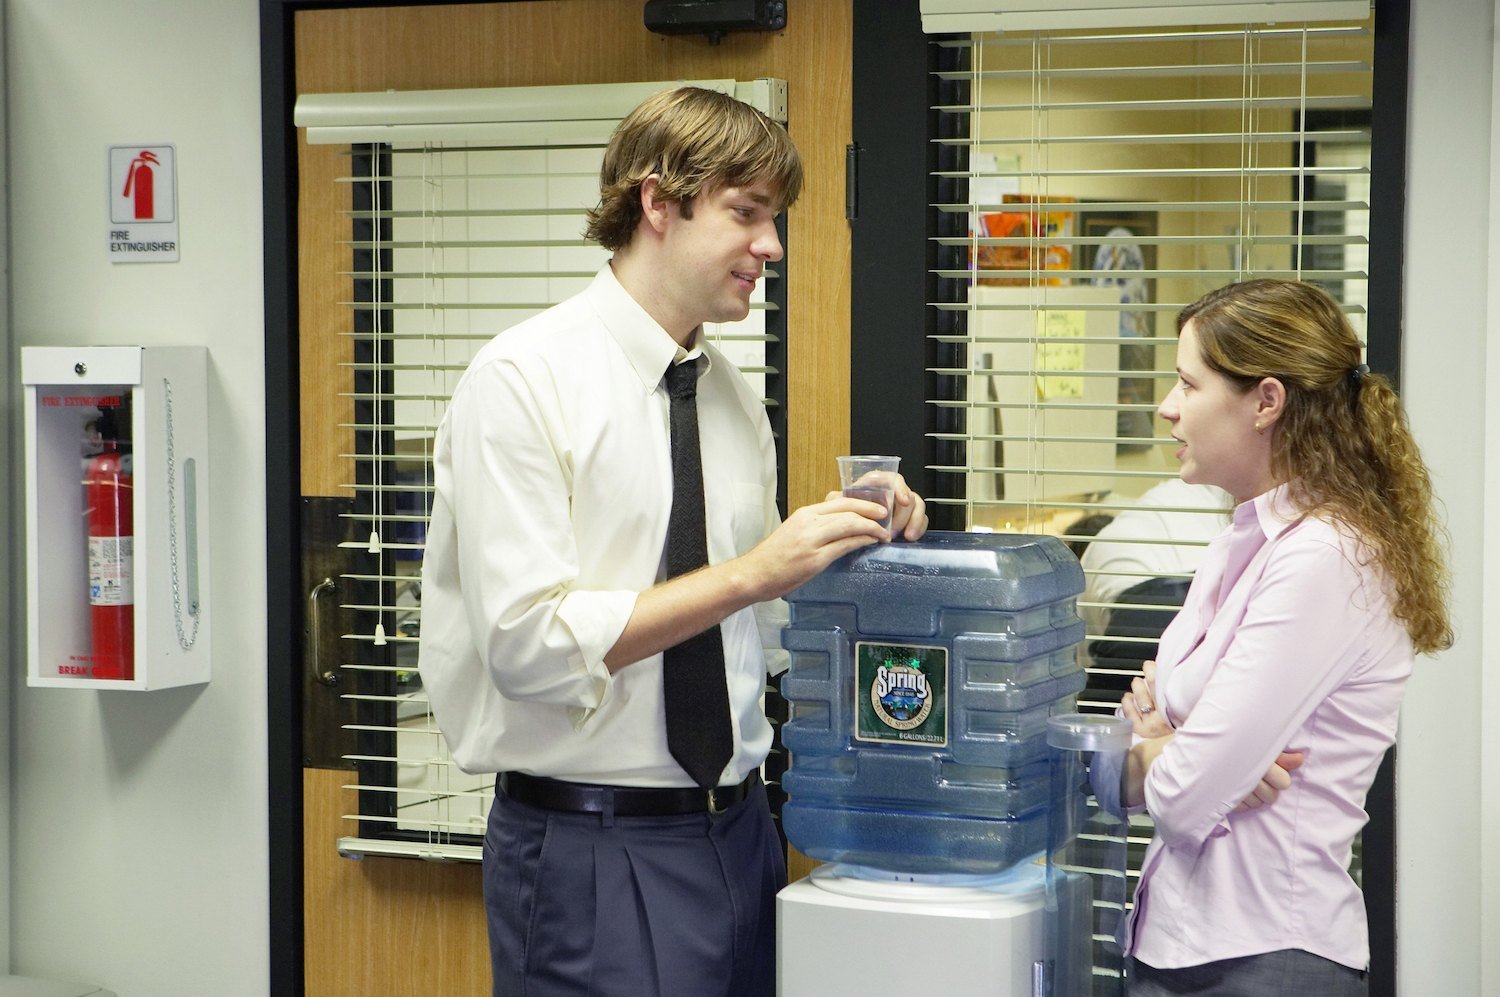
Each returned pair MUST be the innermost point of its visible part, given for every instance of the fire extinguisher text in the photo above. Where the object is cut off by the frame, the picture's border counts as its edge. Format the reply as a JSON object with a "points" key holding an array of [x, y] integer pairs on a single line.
{"points": [[120, 242]]}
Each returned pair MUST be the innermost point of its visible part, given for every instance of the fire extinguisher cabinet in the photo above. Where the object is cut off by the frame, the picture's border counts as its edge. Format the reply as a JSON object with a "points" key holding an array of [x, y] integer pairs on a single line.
{"points": [[116, 516]]}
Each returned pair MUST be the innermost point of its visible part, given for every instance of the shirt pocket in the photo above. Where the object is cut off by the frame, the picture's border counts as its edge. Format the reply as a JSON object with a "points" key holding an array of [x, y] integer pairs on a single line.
{"points": [[749, 516]]}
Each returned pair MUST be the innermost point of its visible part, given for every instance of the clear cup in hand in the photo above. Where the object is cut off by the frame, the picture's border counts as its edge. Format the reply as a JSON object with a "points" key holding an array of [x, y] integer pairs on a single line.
{"points": [[870, 477]]}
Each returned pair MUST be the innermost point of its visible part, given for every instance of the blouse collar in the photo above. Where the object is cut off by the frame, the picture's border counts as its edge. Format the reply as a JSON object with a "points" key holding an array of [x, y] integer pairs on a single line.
{"points": [[1275, 510]]}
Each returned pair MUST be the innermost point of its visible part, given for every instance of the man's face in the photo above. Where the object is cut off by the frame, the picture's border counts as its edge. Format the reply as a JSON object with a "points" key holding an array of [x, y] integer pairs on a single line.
{"points": [[714, 258]]}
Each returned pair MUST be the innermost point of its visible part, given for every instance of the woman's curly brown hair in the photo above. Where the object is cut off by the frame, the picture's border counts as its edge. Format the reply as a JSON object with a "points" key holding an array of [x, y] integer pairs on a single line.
{"points": [[1342, 440], [693, 140]]}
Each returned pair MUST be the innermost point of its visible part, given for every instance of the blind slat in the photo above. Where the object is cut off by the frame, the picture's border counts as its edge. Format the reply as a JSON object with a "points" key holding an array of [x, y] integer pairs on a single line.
{"points": [[1160, 240], [1175, 138], [1169, 105], [1112, 206], [1313, 32], [1191, 70], [1160, 173]]}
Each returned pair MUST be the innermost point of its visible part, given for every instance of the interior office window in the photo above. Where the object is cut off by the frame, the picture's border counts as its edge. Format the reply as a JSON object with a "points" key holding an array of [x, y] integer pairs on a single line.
{"points": [[1337, 144], [1093, 184], [1089, 185], [466, 217]]}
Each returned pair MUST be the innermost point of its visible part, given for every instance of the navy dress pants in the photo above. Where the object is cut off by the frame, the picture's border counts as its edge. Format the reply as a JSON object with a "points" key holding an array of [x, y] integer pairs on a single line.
{"points": [[682, 906]]}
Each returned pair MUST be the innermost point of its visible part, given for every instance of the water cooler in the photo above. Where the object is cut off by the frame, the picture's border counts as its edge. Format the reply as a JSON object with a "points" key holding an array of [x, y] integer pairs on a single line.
{"points": [[939, 769]]}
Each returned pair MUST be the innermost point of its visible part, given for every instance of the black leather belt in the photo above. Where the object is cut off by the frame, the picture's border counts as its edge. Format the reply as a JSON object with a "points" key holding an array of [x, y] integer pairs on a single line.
{"points": [[623, 801]]}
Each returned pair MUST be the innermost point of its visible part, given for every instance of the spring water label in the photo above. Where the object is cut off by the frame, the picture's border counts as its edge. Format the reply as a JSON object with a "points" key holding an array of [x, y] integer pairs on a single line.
{"points": [[901, 693]]}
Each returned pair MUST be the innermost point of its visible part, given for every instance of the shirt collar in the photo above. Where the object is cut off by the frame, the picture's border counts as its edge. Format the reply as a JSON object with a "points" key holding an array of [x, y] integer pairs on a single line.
{"points": [[1275, 510], [646, 345]]}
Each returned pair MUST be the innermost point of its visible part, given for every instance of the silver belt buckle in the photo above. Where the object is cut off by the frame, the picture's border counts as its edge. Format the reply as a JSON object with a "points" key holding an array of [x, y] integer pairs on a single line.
{"points": [[713, 803]]}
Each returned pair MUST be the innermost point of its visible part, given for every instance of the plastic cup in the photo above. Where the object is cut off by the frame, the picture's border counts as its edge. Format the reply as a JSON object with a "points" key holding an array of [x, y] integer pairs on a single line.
{"points": [[870, 477]]}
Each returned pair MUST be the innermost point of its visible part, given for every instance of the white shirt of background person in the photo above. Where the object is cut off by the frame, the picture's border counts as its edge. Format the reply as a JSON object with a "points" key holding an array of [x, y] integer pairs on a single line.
{"points": [[1111, 566]]}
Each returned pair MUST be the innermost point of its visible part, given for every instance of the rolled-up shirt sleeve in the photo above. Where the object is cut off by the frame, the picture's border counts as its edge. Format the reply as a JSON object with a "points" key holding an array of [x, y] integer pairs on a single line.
{"points": [[1282, 662], [771, 618], [540, 634]]}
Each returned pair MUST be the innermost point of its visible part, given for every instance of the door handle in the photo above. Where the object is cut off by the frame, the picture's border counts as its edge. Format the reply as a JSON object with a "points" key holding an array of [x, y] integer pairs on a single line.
{"points": [[315, 670]]}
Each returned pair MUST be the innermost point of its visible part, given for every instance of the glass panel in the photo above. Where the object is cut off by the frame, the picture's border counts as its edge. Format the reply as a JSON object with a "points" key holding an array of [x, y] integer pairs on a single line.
{"points": [[1088, 188], [452, 245], [1107, 185]]}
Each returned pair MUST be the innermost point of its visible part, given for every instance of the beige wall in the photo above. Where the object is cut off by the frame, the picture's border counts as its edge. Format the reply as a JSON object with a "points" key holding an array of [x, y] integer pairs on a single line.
{"points": [[138, 852]]}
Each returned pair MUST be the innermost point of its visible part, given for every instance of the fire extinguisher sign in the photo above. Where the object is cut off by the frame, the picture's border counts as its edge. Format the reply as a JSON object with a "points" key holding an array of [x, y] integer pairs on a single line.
{"points": [[143, 204]]}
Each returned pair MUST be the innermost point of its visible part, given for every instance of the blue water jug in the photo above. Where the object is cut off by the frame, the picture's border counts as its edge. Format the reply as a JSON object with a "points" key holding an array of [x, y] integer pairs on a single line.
{"points": [[921, 679]]}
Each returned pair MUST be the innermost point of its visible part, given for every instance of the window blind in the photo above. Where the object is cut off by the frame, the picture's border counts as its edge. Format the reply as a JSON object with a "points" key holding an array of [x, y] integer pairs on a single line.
{"points": [[1089, 185], [466, 213]]}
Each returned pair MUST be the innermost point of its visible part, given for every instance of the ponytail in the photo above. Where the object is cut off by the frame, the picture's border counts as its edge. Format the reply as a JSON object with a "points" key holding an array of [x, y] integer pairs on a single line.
{"points": [[1401, 526]]}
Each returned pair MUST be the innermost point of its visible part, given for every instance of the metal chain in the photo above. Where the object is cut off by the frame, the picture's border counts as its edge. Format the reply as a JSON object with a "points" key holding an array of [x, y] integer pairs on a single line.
{"points": [[183, 639]]}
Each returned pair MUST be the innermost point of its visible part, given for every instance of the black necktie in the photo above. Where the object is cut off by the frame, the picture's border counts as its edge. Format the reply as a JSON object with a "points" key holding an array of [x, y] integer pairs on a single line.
{"points": [[694, 686]]}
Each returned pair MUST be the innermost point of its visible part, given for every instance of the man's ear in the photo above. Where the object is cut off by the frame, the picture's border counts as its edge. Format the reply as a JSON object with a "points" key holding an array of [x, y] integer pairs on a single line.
{"points": [[654, 210], [1270, 401]]}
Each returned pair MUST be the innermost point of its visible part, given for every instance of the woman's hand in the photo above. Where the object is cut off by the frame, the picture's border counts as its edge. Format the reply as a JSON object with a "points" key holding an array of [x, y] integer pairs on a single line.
{"points": [[1155, 733], [1277, 778], [1139, 706], [1138, 762]]}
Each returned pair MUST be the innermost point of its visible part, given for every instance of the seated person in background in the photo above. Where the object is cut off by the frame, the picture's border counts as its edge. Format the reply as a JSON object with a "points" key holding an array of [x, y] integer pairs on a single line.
{"points": [[1083, 530], [1119, 569]]}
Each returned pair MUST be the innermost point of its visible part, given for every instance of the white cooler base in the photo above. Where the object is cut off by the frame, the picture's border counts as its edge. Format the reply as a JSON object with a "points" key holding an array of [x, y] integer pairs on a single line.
{"points": [[839, 936]]}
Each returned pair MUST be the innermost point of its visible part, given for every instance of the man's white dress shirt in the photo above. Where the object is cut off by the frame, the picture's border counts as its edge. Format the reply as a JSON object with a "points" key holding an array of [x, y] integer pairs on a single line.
{"points": [[553, 477]]}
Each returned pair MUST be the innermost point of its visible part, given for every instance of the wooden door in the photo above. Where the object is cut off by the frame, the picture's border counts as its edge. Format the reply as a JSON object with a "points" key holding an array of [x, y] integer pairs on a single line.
{"points": [[397, 926]]}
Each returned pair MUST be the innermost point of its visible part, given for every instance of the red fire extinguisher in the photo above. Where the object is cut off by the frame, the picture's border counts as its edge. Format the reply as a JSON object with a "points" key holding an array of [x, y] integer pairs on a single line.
{"points": [[142, 179], [109, 509]]}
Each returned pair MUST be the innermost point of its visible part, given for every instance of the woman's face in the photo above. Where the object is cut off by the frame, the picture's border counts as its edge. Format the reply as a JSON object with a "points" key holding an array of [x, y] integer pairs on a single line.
{"points": [[1216, 424]]}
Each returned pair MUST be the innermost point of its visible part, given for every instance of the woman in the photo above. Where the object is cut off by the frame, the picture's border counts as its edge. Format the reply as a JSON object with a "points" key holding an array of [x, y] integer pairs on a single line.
{"points": [[1277, 687]]}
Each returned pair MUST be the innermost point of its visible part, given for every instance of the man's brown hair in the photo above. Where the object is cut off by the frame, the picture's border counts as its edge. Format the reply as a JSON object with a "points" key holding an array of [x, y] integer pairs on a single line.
{"points": [[693, 140]]}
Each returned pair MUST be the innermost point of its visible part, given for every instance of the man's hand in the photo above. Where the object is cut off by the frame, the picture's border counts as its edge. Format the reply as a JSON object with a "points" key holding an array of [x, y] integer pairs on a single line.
{"points": [[810, 540], [816, 535], [1277, 778], [909, 513]]}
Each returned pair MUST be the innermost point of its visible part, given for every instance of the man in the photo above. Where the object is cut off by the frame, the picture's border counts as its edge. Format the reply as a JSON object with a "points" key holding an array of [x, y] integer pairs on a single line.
{"points": [[557, 619], [1146, 556]]}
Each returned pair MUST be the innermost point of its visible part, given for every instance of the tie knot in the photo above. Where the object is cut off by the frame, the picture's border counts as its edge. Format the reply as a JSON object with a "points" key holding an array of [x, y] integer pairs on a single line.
{"points": [[682, 379]]}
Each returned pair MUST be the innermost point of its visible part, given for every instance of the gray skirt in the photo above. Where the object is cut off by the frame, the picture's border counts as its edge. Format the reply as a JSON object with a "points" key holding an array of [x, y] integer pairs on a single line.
{"points": [[1289, 971]]}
